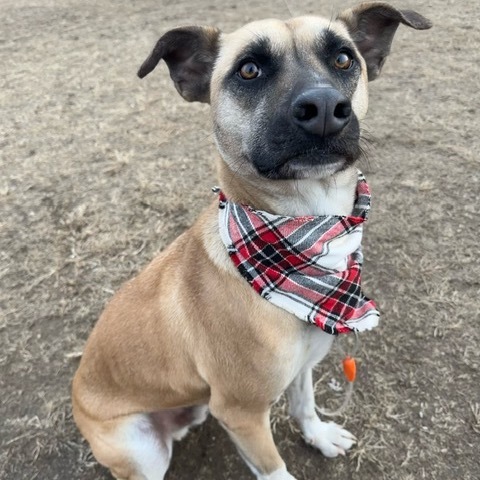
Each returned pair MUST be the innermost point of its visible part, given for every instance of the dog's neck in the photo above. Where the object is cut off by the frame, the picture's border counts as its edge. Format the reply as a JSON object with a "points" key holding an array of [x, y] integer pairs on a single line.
{"points": [[332, 196]]}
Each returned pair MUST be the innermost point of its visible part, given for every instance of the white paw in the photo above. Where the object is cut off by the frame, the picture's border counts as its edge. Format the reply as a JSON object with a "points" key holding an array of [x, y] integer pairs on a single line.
{"points": [[280, 474], [331, 439]]}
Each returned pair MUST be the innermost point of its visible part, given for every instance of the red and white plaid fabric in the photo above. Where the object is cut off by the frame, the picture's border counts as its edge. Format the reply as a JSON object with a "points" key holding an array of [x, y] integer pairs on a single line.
{"points": [[309, 266]]}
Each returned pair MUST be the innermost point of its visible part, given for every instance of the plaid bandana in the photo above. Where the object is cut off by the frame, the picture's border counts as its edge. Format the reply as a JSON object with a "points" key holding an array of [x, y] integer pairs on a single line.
{"points": [[309, 266]]}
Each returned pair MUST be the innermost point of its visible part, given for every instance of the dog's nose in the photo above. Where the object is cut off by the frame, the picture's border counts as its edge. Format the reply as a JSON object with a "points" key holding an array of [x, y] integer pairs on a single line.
{"points": [[321, 111]]}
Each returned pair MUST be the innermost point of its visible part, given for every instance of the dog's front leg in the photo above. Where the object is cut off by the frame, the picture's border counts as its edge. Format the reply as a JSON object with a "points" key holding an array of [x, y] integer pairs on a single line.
{"points": [[249, 428], [329, 438]]}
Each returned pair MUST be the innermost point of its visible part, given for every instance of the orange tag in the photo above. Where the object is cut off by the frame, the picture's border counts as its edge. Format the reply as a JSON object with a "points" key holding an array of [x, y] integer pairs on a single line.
{"points": [[349, 368]]}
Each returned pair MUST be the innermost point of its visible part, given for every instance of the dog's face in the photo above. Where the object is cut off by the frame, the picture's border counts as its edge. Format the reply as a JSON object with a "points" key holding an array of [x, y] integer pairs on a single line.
{"points": [[287, 97]]}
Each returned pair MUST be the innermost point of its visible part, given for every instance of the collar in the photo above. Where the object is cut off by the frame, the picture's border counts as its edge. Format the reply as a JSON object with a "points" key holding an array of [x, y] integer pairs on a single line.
{"points": [[309, 266]]}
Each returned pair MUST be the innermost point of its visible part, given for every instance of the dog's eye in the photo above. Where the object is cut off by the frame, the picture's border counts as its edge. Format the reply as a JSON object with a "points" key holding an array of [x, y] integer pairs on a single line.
{"points": [[343, 61], [249, 71]]}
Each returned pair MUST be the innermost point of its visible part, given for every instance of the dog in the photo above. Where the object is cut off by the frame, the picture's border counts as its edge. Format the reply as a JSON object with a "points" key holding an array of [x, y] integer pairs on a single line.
{"points": [[189, 335]]}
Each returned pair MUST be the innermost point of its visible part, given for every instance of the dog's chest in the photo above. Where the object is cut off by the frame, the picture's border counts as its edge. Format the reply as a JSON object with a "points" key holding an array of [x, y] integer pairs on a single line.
{"points": [[312, 345], [312, 197]]}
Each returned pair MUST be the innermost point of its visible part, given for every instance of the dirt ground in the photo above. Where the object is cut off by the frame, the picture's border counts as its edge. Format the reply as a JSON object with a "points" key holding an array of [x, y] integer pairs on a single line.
{"points": [[99, 171]]}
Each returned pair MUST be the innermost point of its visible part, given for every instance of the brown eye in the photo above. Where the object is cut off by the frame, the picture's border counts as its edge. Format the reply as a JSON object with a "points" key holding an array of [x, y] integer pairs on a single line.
{"points": [[343, 61], [249, 71]]}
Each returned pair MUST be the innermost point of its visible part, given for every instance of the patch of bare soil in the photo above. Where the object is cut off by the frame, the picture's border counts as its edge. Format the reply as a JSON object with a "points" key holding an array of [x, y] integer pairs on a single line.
{"points": [[99, 171]]}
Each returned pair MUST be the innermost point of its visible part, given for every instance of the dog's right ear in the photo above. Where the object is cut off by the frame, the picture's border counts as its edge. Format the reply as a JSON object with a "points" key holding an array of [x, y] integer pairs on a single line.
{"points": [[190, 53], [372, 26]]}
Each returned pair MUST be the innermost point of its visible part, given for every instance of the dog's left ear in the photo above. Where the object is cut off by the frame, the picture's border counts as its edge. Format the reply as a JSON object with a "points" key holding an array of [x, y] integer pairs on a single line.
{"points": [[189, 53], [372, 27]]}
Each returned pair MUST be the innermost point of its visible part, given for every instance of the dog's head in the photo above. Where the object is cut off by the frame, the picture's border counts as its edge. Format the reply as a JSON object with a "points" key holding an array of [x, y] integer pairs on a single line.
{"points": [[287, 96]]}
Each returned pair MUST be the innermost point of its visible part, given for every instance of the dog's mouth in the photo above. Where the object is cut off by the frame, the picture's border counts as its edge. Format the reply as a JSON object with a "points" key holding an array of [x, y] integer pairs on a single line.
{"points": [[311, 163], [304, 164], [286, 153]]}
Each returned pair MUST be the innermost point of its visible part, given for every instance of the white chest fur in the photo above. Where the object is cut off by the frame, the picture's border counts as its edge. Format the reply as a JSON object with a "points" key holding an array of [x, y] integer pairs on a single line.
{"points": [[334, 196], [311, 347]]}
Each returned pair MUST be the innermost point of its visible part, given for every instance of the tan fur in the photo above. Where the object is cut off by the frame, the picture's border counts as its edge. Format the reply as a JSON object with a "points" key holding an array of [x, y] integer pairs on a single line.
{"points": [[165, 341], [190, 331], [206, 347]]}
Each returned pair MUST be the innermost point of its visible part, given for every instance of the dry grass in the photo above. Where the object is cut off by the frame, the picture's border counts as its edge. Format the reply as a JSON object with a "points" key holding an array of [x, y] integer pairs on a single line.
{"points": [[99, 171]]}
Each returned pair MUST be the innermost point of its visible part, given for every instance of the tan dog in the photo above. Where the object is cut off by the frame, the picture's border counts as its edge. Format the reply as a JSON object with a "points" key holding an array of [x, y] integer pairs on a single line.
{"points": [[189, 334]]}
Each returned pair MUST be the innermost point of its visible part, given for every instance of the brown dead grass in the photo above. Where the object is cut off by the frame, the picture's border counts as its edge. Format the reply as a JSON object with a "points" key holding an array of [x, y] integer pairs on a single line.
{"points": [[99, 171]]}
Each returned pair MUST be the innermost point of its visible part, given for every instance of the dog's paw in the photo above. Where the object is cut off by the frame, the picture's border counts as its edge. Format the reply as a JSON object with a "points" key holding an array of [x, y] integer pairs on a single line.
{"points": [[280, 474], [331, 439]]}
